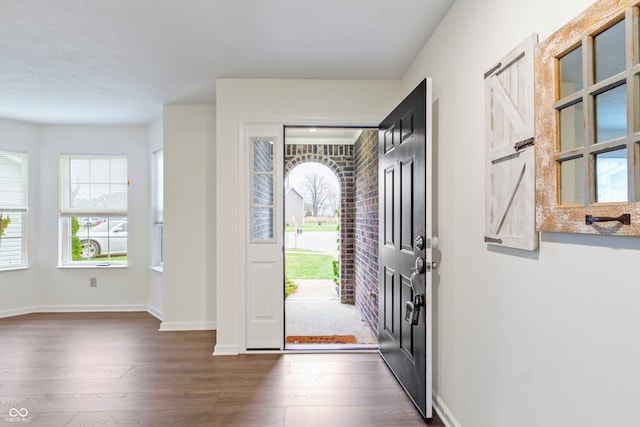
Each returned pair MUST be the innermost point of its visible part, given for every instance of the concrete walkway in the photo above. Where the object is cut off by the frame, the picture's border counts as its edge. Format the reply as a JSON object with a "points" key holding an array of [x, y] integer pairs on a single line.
{"points": [[315, 309]]}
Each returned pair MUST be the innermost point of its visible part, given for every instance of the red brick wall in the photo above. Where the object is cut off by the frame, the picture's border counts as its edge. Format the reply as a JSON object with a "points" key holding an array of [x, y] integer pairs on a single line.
{"points": [[366, 226]]}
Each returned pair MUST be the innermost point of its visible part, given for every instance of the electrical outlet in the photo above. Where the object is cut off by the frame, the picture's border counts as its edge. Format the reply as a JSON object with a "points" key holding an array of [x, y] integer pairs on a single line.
{"points": [[93, 282]]}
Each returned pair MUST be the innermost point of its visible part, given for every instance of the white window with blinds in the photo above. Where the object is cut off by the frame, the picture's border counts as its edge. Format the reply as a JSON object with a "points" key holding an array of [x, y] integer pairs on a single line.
{"points": [[93, 209], [158, 207], [13, 210]]}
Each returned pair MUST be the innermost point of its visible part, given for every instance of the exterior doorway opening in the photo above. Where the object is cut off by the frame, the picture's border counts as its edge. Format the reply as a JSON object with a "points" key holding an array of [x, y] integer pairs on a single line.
{"points": [[331, 244]]}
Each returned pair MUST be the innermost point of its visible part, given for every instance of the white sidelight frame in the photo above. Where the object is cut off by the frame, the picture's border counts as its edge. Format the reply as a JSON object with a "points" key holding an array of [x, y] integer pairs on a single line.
{"points": [[261, 272]]}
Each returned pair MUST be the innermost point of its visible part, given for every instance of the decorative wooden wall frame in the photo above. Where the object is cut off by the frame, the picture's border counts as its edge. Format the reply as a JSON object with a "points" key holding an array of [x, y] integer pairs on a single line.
{"points": [[587, 211], [509, 158]]}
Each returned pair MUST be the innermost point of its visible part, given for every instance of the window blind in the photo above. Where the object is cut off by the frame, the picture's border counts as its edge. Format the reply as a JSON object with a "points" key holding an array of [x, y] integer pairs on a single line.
{"points": [[159, 187], [13, 209], [93, 184], [13, 182]]}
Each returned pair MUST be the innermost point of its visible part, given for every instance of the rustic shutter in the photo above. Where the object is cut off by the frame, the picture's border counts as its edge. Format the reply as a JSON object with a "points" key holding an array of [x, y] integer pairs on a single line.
{"points": [[509, 139]]}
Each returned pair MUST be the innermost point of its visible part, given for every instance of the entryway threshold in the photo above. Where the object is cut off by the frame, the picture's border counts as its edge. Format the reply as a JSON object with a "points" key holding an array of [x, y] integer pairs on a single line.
{"points": [[315, 350], [330, 347]]}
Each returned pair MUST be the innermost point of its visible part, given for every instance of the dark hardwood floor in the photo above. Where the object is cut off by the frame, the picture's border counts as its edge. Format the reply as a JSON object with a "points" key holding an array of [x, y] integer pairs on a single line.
{"points": [[90, 369]]}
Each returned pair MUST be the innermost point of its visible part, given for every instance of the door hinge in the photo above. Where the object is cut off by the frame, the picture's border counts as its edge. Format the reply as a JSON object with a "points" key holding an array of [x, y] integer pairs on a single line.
{"points": [[493, 70], [530, 142], [488, 239]]}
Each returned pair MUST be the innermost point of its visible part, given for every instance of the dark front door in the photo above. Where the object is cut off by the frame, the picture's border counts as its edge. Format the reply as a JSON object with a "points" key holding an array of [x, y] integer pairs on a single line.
{"points": [[405, 240]]}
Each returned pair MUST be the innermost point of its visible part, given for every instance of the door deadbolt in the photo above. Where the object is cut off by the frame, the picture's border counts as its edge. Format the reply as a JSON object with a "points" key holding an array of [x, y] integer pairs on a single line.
{"points": [[419, 242]]}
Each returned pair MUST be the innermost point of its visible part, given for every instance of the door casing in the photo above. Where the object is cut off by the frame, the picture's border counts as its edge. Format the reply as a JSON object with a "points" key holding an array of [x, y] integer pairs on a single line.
{"points": [[247, 127]]}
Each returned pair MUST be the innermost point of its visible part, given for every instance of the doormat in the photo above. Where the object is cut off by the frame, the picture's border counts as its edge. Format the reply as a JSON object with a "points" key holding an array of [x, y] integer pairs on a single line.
{"points": [[321, 339]]}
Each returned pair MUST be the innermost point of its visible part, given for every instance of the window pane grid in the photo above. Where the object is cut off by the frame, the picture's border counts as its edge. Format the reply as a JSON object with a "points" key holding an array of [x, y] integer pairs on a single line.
{"points": [[93, 209], [95, 240], [610, 105], [262, 189], [12, 240], [587, 30], [13, 209]]}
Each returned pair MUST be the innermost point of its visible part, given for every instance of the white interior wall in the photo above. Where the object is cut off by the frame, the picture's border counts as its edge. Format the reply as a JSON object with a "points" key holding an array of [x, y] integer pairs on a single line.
{"points": [[188, 291], [18, 288], [61, 289], [211, 206], [522, 339], [280, 101]]}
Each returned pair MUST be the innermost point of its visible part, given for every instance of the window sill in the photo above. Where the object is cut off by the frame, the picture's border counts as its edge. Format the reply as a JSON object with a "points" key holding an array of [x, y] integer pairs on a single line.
{"points": [[17, 268], [84, 267], [158, 268]]}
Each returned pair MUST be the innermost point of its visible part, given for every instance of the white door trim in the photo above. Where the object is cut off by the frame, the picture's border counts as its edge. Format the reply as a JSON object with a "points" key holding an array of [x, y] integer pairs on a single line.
{"points": [[243, 200]]}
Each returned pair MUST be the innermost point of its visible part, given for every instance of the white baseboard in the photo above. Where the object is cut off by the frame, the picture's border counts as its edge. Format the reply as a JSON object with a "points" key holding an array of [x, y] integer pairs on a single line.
{"points": [[80, 309], [443, 412], [155, 312], [90, 308], [164, 326], [17, 311], [225, 350], [188, 326]]}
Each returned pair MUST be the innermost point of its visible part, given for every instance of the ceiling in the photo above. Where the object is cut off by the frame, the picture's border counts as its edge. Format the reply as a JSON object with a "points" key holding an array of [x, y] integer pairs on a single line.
{"points": [[119, 61]]}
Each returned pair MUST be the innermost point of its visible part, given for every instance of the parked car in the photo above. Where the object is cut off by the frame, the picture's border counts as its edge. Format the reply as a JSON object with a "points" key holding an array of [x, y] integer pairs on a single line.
{"points": [[106, 238], [88, 222]]}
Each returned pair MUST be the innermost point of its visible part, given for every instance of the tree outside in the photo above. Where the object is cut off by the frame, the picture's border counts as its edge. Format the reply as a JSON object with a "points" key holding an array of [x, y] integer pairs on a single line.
{"points": [[311, 250], [317, 192], [319, 187]]}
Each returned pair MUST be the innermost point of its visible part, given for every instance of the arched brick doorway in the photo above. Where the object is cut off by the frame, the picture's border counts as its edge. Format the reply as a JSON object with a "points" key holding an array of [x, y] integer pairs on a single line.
{"points": [[356, 166], [338, 158]]}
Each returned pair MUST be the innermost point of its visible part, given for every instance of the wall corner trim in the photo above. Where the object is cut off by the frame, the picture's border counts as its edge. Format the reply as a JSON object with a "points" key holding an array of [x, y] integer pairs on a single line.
{"points": [[155, 312], [444, 412]]}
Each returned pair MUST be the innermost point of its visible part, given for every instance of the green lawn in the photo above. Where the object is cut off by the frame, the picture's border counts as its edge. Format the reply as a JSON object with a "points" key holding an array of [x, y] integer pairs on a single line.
{"points": [[313, 226], [307, 265]]}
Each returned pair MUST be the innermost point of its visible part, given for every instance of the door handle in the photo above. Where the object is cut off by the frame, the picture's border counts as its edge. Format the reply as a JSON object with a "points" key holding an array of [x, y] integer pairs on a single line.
{"points": [[412, 308], [419, 266]]}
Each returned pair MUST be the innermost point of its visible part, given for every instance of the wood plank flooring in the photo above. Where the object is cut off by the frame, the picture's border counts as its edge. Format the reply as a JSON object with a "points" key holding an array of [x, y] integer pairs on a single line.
{"points": [[117, 369]]}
